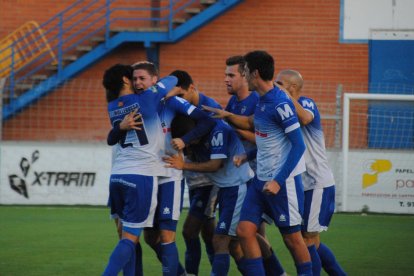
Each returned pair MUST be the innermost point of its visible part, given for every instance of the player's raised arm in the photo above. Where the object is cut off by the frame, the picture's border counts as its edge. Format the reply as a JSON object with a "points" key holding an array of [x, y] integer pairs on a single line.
{"points": [[242, 122]]}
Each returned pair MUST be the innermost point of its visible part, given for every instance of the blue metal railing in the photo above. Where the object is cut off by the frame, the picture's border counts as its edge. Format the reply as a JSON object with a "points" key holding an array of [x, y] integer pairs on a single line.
{"points": [[96, 18], [77, 25]]}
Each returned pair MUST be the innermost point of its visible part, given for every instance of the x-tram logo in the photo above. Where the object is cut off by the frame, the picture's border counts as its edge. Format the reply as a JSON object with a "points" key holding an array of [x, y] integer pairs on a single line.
{"points": [[20, 182]]}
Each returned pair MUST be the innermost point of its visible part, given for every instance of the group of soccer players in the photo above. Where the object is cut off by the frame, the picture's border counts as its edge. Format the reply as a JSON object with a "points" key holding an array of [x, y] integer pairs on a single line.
{"points": [[262, 159]]}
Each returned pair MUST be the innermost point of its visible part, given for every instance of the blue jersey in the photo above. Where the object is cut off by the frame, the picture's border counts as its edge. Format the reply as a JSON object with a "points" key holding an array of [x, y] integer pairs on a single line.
{"points": [[195, 179], [140, 151], [245, 107], [276, 124], [223, 143], [169, 109], [317, 174]]}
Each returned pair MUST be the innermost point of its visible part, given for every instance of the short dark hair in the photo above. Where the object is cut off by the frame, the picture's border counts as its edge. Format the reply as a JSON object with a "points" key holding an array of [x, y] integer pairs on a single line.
{"points": [[237, 60], [262, 62], [113, 80], [184, 79], [181, 125], [150, 67]]}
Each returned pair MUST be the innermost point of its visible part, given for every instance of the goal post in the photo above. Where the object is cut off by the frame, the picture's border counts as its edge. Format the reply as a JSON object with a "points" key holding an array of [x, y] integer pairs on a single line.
{"points": [[378, 173]]}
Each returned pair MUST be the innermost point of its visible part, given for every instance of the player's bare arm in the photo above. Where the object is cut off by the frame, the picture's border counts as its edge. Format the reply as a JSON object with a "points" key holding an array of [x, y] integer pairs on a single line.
{"points": [[247, 135], [242, 122], [177, 161]]}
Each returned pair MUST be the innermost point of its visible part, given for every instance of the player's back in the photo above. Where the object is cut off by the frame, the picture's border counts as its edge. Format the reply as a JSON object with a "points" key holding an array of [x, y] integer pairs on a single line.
{"points": [[223, 143], [139, 151], [318, 174], [274, 117]]}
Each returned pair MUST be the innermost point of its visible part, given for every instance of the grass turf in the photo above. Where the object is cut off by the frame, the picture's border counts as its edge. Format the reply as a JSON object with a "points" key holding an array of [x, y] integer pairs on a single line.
{"points": [[79, 240]]}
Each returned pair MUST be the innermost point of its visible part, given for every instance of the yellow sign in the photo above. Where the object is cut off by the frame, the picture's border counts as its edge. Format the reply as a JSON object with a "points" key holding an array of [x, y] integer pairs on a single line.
{"points": [[376, 166]]}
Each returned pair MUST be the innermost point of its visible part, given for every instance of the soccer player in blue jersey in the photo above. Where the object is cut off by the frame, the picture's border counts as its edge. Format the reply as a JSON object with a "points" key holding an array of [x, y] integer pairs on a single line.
{"points": [[277, 188], [213, 155], [161, 237], [133, 182], [202, 193], [243, 102], [318, 180]]}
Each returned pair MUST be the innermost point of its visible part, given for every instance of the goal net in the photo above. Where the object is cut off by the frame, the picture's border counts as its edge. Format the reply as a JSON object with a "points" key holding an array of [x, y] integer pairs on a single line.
{"points": [[378, 153]]}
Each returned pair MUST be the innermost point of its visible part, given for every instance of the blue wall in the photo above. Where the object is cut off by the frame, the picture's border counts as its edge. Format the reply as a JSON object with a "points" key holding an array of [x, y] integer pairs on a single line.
{"points": [[391, 71]]}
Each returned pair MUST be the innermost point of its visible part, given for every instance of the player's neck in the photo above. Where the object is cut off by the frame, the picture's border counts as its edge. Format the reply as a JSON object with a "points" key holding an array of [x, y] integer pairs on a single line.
{"points": [[263, 87], [242, 94]]}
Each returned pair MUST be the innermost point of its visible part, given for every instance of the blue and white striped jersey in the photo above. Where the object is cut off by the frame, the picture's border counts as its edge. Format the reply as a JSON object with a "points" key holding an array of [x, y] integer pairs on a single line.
{"points": [[318, 173], [167, 112], [274, 118], [140, 151]]}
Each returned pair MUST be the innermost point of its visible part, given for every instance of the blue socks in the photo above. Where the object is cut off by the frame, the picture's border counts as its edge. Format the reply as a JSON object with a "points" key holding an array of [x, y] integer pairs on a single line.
{"points": [[272, 265], [123, 257], [316, 261], [192, 255], [221, 265], [329, 262], [138, 260], [253, 267], [169, 259], [167, 254], [304, 269]]}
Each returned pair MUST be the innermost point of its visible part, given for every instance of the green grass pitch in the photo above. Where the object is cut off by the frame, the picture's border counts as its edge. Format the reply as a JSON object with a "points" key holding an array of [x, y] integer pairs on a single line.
{"points": [[79, 240]]}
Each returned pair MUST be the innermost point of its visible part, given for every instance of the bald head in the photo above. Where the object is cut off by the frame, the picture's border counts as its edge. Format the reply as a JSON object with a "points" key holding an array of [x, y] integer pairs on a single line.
{"points": [[291, 80]]}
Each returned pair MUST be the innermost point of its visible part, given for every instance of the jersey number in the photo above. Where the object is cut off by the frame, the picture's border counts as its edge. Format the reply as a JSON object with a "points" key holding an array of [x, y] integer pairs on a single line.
{"points": [[133, 135]]}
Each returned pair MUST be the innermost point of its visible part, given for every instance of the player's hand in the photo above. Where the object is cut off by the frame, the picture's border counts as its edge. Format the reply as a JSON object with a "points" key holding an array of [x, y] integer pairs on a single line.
{"points": [[175, 161], [178, 144], [218, 113], [238, 160], [271, 187], [131, 121]]}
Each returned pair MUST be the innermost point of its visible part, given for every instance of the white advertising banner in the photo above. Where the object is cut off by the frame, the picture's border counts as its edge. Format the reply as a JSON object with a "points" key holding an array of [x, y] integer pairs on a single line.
{"points": [[54, 173], [381, 181]]}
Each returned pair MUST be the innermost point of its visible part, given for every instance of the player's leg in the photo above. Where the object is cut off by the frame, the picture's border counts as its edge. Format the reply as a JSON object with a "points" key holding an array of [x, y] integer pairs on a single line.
{"points": [[230, 200], [197, 221], [271, 263], [319, 208], [250, 218], [170, 205], [287, 207], [138, 206]]}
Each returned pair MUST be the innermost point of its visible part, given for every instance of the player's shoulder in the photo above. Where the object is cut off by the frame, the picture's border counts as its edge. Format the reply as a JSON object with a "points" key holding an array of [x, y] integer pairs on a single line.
{"points": [[205, 100], [307, 102]]}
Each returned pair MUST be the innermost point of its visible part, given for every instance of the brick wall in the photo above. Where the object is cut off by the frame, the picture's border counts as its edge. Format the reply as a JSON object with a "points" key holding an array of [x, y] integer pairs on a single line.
{"points": [[302, 35]]}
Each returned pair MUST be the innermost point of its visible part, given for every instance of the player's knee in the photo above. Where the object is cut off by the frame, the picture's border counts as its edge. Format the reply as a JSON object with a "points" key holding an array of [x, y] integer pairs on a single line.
{"points": [[246, 230], [221, 243]]}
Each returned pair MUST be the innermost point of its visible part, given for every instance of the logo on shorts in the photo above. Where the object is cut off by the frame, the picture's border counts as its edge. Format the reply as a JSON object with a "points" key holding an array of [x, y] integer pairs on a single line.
{"points": [[166, 211], [222, 225], [282, 218]]}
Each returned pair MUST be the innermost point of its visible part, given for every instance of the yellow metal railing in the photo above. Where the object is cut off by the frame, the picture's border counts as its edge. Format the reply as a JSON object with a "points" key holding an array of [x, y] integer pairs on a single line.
{"points": [[21, 47]]}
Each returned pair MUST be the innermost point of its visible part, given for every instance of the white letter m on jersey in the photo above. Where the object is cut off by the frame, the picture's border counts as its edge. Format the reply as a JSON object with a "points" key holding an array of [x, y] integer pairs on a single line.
{"points": [[217, 140], [308, 104], [285, 112]]}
